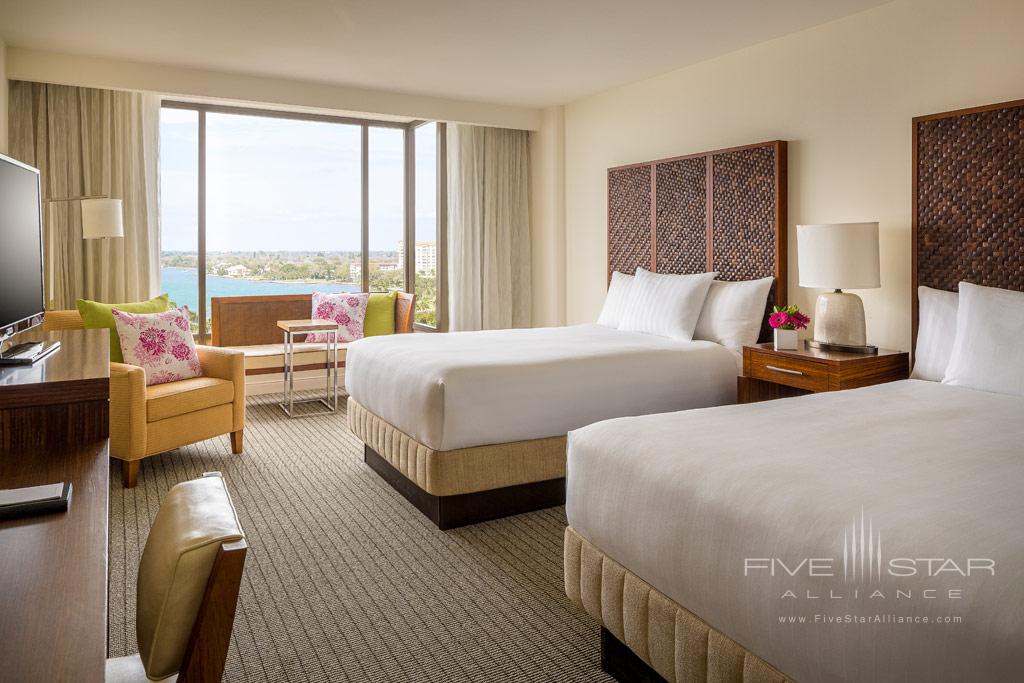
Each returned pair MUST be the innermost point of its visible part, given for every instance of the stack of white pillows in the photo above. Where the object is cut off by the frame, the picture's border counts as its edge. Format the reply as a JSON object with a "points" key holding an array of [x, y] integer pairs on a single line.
{"points": [[687, 307], [971, 339]]}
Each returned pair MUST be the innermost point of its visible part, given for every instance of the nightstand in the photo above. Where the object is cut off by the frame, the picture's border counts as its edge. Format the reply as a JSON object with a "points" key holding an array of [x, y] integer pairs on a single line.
{"points": [[770, 374]]}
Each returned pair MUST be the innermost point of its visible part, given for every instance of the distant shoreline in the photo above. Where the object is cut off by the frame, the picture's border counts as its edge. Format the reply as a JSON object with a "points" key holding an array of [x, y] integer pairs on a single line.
{"points": [[260, 279]]}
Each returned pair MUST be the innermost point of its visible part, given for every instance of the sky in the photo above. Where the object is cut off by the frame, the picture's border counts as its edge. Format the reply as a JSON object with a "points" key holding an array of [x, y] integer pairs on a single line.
{"points": [[287, 185]]}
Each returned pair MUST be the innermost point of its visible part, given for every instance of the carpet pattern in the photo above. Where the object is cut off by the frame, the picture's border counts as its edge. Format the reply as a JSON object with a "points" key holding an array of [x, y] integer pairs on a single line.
{"points": [[346, 581]]}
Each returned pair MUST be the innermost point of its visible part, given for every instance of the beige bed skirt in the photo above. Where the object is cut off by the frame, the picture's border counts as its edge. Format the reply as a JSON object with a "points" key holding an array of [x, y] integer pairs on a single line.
{"points": [[463, 470], [674, 642]]}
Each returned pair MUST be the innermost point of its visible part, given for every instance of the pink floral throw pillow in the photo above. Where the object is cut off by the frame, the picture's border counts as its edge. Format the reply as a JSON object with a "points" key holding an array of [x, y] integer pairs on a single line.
{"points": [[159, 343], [348, 310]]}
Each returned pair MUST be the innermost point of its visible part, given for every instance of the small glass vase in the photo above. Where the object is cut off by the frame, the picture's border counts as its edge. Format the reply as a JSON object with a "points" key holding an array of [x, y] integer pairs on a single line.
{"points": [[785, 340]]}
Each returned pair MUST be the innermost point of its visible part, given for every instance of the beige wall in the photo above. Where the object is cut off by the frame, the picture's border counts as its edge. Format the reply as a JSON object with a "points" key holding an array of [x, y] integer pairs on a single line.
{"points": [[547, 218], [842, 93], [96, 72], [3, 98]]}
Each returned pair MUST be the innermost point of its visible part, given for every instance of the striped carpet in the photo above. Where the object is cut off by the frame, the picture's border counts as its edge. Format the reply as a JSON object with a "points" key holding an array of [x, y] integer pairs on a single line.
{"points": [[346, 581]]}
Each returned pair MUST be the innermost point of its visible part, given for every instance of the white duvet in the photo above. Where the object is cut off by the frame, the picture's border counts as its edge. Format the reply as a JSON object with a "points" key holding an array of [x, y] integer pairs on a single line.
{"points": [[701, 505], [466, 389]]}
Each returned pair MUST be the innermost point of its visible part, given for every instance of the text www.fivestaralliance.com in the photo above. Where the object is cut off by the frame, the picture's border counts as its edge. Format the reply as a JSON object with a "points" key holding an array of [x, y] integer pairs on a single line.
{"points": [[867, 619]]}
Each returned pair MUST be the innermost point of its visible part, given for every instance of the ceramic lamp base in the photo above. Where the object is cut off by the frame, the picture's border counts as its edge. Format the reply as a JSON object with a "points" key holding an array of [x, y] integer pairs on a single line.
{"points": [[839, 320]]}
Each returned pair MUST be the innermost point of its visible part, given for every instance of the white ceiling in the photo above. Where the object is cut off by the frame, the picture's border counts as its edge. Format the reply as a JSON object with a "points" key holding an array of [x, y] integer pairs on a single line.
{"points": [[518, 52]]}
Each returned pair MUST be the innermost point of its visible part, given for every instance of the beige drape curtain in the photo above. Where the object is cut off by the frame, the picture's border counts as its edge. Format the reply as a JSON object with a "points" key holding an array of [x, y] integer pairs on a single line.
{"points": [[488, 228], [92, 142]]}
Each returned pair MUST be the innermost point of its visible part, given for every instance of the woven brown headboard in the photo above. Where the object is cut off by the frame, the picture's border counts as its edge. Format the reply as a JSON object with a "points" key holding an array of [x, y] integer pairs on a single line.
{"points": [[968, 199], [723, 210]]}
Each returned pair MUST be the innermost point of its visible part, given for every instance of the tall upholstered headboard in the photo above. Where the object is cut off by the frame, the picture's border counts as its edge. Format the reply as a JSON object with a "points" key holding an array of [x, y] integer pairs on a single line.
{"points": [[968, 199], [723, 210]]}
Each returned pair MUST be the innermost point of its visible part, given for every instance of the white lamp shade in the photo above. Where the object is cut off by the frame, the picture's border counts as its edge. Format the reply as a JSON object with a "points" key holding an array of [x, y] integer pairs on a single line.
{"points": [[102, 218], [838, 255]]}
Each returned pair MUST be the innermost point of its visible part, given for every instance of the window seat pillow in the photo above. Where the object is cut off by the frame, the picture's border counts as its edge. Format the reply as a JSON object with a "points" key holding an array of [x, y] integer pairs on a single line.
{"points": [[380, 314]]}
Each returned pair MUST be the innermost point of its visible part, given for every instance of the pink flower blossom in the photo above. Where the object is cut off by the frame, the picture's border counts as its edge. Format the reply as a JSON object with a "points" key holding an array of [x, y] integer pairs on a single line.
{"points": [[162, 377], [779, 320], [799, 320], [153, 341], [181, 320], [181, 351]]}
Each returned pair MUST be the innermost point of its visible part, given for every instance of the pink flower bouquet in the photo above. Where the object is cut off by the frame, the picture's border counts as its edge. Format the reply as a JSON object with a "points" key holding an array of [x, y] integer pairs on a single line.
{"points": [[788, 318]]}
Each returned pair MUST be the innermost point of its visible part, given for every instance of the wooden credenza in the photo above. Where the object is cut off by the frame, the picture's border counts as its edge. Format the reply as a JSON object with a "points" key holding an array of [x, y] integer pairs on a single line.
{"points": [[53, 568]]}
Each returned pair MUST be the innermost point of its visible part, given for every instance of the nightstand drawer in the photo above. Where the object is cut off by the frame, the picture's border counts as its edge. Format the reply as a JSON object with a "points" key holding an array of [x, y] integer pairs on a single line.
{"points": [[794, 372]]}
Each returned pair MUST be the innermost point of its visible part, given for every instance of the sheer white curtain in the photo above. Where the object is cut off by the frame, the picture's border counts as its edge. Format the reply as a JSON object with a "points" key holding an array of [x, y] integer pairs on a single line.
{"points": [[92, 142], [488, 228]]}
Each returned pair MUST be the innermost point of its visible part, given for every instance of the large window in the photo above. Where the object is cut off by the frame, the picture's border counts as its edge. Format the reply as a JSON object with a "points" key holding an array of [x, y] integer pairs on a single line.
{"points": [[256, 203]]}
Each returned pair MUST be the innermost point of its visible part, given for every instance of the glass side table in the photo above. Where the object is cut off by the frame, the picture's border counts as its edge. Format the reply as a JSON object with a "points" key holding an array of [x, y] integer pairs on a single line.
{"points": [[330, 399]]}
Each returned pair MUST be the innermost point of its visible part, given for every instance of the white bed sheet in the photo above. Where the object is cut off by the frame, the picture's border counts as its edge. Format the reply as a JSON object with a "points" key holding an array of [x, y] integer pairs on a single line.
{"points": [[466, 389], [683, 500]]}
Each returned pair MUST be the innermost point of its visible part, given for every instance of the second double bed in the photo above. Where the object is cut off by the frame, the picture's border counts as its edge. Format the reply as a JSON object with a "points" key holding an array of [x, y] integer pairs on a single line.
{"points": [[464, 413]]}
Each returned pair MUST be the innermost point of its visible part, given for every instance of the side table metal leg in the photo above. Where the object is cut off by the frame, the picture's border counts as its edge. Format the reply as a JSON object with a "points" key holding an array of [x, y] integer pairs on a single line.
{"points": [[335, 362], [290, 352]]}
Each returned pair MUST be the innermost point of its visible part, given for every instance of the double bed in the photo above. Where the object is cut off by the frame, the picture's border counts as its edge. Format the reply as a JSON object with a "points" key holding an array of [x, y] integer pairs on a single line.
{"points": [[471, 426], [872, 534], [700, 507], [471, 412]]}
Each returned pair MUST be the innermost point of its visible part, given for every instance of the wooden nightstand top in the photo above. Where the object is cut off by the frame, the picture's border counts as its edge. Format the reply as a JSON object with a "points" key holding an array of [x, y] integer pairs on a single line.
{"points": [[814, 370], [830, 356]]}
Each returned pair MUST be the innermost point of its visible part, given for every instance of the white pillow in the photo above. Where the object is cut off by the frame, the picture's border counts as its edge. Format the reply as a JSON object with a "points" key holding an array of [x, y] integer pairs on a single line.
{"points": [[936, 330], [666, 305], [988, 353], [733, 312], [616, 301]]}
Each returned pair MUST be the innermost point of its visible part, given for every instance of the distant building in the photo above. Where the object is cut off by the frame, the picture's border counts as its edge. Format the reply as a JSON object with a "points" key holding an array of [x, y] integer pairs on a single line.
{"points": [[426, 257], [387, 266], [237, 270], [355, 269]]}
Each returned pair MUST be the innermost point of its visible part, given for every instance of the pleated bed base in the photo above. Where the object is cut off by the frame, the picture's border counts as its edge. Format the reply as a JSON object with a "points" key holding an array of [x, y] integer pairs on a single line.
{"points": [[646, 636], [467, 485]]}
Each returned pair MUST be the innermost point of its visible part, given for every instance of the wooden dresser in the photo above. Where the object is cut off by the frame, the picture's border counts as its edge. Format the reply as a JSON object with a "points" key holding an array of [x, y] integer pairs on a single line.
{"points": [[53, 568]]}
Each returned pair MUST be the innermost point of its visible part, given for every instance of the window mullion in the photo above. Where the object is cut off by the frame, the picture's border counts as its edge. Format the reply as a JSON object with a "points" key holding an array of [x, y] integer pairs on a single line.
{"points": [[364, 174], [201, 239], [410, 210]]}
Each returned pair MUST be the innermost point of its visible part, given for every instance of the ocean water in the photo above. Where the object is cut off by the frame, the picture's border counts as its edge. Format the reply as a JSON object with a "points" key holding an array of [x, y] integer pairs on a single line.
{"points": [[182, 286]]}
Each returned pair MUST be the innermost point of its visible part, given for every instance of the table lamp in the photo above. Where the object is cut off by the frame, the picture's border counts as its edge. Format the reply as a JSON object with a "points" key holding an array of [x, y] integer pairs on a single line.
{"points": [[839, 256], [102, 217]]}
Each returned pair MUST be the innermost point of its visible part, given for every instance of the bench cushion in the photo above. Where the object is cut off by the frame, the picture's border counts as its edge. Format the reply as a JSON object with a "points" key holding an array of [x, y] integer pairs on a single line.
{"points": [[263, 356], [186, 396]]}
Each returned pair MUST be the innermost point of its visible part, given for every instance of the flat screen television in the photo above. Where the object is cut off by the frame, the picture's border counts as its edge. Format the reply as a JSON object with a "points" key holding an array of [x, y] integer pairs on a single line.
{"points": [[21, 248]]}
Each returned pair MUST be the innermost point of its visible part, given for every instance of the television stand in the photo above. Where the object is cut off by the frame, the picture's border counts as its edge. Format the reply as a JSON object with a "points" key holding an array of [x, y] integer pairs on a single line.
{"points": [[28, 353]]}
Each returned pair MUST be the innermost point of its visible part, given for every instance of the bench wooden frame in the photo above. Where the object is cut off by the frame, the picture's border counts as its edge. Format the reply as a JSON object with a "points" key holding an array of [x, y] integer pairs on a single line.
{"points": [[252, 320]]}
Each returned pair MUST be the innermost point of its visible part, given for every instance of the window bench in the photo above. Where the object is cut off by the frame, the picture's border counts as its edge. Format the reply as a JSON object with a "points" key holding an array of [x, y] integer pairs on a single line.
{"points": [[249, 324]]}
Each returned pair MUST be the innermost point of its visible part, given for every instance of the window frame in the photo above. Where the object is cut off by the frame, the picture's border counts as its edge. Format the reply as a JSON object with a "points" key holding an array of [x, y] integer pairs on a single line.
{"points": [[441, 229], [409, 227]]}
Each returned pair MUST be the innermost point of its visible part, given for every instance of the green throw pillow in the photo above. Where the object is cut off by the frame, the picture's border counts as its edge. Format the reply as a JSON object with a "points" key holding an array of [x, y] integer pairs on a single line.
{"points": [[98, 316], [380, 314]]}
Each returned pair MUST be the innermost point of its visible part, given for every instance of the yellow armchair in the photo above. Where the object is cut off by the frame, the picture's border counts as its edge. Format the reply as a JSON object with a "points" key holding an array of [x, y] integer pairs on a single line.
{"points": [[145, 421]]}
